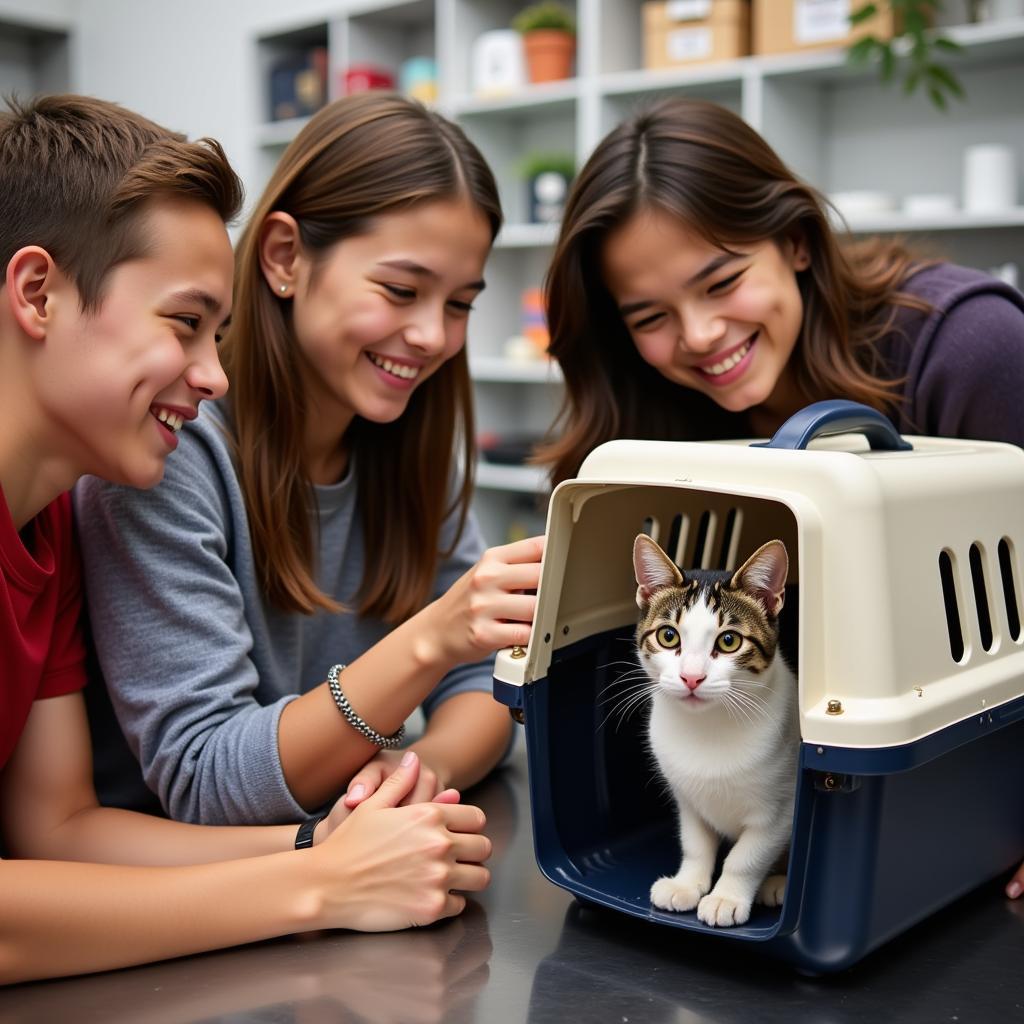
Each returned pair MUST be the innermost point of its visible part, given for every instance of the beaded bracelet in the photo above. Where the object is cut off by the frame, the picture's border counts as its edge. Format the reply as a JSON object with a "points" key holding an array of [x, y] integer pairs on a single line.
{"points": [[363, 728]]}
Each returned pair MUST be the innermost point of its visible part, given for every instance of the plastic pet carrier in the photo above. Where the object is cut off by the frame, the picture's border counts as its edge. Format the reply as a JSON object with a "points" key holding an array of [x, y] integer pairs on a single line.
{"points": [[902, 620]]}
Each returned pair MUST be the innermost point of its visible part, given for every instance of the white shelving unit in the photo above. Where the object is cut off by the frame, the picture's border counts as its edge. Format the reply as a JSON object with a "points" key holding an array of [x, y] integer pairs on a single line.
{"points": [[836, 126], [34, 56]]}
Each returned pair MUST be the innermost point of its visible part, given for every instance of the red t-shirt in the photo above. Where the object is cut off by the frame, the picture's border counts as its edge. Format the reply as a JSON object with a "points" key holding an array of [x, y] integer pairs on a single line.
{"points": [[42, 653]]}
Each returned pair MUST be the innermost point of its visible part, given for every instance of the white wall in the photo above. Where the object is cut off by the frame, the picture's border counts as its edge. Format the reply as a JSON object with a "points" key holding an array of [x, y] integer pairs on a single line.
{"points": [[47, 13], [187, 65]]}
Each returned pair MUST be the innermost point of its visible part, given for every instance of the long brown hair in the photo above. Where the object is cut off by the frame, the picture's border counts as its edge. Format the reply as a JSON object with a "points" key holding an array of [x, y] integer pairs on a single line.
{"points": [[357, 159], [703, 164]]}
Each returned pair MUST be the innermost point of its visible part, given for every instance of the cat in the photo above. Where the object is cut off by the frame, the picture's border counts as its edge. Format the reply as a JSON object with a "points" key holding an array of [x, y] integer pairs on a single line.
{"points": [[723, 726]]}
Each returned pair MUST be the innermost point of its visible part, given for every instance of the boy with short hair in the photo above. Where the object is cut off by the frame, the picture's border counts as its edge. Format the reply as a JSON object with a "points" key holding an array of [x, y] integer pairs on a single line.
{"points": [[117, 281]]}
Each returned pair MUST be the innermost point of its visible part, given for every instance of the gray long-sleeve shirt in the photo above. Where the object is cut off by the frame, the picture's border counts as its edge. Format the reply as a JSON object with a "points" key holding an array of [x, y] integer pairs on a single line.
{"points": [[198, 665]]}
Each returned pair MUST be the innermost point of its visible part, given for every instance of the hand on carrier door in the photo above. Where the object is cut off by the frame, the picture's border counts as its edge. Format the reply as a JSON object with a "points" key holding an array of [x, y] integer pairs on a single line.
{"points": [[486, 609]]}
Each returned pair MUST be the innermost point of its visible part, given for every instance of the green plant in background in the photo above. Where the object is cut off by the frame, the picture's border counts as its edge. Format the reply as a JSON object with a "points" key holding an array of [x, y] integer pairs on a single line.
{"points": [[547, 15], [911, 54], [540, 163]]}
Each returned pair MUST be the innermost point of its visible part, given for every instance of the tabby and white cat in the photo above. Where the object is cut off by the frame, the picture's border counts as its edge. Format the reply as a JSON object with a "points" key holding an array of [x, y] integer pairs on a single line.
{"points": [[723, 724]]}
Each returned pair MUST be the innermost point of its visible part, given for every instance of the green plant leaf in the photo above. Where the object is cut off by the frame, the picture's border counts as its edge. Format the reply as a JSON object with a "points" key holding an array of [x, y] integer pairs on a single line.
{"points": [[937, 97], [545, 15], [914, 22], [888, 64], [860, 52], [538, 162], [920, 47], [863, 13], [943, 78]]}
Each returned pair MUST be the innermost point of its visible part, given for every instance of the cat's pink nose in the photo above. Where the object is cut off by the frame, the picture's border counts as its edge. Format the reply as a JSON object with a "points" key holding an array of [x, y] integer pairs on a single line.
{"points": [[693, 682]]}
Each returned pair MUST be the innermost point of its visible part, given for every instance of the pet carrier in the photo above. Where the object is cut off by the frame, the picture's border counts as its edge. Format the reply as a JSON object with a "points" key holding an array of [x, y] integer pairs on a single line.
{"points": [[902, 620]]}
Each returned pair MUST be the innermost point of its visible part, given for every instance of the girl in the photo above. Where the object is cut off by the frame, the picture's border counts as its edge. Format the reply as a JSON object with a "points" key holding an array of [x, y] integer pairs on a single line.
{"points": [[698, 275], [698, 292], [309, 557]]}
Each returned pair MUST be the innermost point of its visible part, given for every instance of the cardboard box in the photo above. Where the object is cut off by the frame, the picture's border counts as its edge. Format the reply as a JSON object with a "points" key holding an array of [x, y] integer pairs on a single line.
{"points": [[785, 26], [678, 33]]}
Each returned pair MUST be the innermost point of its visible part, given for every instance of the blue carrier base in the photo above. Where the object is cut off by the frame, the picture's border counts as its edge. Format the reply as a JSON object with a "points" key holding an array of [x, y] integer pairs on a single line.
{"points": [[882, 838]]}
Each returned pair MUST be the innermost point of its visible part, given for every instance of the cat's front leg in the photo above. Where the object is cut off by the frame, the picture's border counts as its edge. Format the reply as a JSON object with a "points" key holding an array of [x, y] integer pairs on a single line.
{"points": [[743, 873], [683, 890]]}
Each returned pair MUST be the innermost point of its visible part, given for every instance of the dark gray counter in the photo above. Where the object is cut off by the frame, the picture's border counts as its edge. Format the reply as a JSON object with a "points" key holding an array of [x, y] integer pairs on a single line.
{"points": [[524, 951]]}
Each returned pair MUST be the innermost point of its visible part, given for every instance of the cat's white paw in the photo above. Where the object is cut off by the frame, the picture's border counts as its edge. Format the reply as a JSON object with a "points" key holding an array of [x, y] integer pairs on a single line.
{"points": [[670, 894], [773, 888], [722, 911]]}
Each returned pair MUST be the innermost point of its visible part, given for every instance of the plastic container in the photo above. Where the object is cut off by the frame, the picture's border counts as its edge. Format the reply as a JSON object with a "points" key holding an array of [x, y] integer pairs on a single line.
{"points": [[902, 618]]}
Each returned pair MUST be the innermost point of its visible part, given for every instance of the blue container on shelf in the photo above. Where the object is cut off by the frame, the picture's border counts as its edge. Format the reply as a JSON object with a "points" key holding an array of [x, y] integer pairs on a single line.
{"points": [[903, 613]]}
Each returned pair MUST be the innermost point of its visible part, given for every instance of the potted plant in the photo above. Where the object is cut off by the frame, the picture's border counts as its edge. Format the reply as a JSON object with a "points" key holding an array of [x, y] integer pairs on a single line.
{"points": [[548, 176], [912, 53], [549, 39]]}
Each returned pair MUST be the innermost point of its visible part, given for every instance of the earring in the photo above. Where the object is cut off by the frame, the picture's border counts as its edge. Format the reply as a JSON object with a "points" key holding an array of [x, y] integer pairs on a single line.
{"points": [[282, 288]]}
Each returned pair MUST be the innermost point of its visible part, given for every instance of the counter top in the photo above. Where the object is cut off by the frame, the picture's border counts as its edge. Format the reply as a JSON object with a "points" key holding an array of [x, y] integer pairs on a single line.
{"points": [[526, 951]]}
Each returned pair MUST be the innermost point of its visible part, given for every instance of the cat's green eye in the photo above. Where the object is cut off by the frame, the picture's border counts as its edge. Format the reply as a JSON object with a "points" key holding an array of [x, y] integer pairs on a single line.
{"points": [[667, 637], [729, 642]]}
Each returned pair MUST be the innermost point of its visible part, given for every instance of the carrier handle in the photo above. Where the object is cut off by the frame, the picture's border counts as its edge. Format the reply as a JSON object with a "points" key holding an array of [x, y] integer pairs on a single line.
{"points": [[837, 416]]}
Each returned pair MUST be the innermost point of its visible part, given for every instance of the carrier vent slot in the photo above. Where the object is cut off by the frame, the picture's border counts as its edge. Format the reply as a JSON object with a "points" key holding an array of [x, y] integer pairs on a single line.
{"points": [[677, 535], [650, 527], [947, 575], [730, 538], [981, 596], [704, 540], [1006, 563]]}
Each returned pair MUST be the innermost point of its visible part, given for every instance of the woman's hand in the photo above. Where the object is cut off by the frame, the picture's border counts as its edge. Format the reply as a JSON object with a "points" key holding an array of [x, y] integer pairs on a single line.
{"points": [[1015, 886], [429, 786], [484, 610], [387, 866]]}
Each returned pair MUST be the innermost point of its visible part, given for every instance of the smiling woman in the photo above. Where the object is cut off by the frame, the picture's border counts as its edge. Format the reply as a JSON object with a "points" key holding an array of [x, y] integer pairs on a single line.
{"points": [[315, 525], [699, 292]]}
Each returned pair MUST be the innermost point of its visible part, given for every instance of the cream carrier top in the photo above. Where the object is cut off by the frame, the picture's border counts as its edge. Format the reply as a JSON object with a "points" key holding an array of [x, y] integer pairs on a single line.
{"points": [[907, 560]]}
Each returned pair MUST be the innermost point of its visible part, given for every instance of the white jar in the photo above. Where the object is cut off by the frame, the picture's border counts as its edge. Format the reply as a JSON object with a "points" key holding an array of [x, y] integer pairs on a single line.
{"points": [[990, 178]]}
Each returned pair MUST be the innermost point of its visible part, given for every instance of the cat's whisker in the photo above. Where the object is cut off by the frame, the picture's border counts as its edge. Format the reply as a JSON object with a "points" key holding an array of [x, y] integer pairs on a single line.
{"points": [[627, 678], [631, 663], [730, 701], [629, 703], [758, 707], [755, 704], [623, 693], [636, 699]]}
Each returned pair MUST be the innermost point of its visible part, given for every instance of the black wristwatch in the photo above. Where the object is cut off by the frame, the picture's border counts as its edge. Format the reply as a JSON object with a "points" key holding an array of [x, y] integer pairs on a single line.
{"points": [[304, 837]]}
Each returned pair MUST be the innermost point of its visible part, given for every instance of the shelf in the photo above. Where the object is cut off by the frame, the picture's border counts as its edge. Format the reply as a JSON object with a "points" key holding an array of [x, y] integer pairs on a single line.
{"points": [[548, 96], [984, 44], [835, 124], [957, 220], [280, 133], [638, 82], [526, 236], [507, 371], [524, 479]]}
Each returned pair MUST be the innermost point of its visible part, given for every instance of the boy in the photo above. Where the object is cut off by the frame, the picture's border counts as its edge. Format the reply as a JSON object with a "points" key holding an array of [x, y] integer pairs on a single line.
{"points": [[117, 281]]}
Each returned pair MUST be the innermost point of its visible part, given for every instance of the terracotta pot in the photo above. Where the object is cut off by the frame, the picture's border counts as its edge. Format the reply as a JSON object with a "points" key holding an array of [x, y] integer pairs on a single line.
{"points": [[549, 54]]}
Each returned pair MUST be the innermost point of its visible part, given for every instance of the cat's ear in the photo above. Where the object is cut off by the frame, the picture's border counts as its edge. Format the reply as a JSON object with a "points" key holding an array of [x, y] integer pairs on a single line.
{"points": [[653, 568], [763, 576]]}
